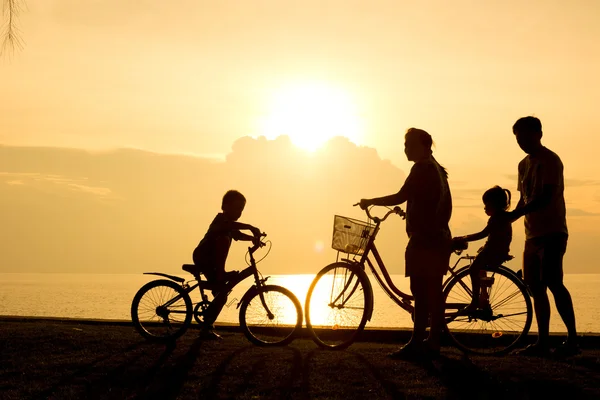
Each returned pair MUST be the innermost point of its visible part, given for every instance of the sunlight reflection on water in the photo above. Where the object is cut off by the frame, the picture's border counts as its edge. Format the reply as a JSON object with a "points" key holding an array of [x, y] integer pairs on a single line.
{"points": [[109, 296]]}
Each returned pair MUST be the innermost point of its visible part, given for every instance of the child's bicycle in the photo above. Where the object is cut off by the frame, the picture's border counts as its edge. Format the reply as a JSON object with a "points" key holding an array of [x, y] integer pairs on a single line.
{"points": [[339, 301], [270, 315]]}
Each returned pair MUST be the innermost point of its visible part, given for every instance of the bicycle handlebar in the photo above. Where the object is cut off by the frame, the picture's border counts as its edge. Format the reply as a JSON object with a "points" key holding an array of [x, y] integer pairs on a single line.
{"points": [[258, 243], [395, 210]]}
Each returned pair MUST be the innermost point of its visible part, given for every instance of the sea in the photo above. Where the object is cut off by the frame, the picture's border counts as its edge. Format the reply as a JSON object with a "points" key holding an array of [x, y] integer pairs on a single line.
{"points": [[109, 297]]}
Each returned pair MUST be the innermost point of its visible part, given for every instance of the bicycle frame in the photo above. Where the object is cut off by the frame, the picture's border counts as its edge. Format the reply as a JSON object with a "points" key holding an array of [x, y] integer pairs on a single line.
{"points": [[382, 276], [205, 285]]}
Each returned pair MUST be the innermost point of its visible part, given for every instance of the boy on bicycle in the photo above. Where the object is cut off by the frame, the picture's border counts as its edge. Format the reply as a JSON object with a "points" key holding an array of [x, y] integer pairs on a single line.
{"points": [[211, 253]]}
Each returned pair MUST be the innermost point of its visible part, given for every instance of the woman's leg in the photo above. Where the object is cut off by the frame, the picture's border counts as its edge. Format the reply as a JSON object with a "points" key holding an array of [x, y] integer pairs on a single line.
{"points": [[436, 311], [418, 287]]}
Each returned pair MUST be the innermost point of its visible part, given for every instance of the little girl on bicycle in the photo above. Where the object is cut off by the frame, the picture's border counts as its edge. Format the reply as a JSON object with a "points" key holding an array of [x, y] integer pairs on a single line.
{"points": [[499, 233]]}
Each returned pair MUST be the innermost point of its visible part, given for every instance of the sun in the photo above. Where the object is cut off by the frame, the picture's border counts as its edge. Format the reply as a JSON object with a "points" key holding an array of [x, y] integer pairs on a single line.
{"points": [[311, 114]]}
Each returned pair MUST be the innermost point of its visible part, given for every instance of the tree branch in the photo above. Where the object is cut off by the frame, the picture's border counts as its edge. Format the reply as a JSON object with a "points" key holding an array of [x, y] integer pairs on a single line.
{"points": [[11, 35]]}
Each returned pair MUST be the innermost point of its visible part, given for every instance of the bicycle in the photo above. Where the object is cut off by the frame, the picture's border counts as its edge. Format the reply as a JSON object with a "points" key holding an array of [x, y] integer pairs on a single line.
{"points": [[340, 300], [162, 309]]}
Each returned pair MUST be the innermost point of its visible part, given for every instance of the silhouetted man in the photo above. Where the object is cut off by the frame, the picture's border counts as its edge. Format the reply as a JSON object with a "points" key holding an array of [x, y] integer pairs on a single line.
{"points": [[542, 202]]}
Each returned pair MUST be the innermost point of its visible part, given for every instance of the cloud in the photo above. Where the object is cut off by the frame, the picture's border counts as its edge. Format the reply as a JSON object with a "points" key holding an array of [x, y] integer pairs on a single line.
{"points": [[50, 182], [576, 212], [569, 182], [581, 182], [59, 218]]}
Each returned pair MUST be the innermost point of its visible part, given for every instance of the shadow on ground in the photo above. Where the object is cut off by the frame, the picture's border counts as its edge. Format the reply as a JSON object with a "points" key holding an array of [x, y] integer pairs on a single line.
{"points": [[71, 361]]}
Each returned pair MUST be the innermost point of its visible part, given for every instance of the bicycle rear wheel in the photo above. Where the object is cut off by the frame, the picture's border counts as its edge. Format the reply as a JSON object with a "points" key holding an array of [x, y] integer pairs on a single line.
{"points": [[276, 326], [161, 310], [496, 326], [338, 304]]}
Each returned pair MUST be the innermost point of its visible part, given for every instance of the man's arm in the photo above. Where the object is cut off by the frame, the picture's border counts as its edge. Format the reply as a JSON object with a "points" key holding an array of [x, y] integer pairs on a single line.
{"points": [[536, 204]]}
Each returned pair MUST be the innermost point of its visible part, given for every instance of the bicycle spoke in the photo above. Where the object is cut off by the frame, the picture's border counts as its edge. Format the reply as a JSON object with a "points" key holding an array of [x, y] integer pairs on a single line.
{"points": [[499, 325], [334, 323]]}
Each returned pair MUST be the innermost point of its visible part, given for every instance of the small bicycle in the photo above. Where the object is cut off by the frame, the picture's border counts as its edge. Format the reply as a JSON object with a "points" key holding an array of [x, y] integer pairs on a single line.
{"points": [[270, 315], [340, 300]]}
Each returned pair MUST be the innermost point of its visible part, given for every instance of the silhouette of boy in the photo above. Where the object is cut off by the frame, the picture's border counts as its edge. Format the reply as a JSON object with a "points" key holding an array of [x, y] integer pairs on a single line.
{"points": [[211, 253]]}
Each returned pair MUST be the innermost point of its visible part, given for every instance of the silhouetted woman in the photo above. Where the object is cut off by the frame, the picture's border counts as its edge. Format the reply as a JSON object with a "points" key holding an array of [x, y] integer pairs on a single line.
{"points": [[428, 210]]}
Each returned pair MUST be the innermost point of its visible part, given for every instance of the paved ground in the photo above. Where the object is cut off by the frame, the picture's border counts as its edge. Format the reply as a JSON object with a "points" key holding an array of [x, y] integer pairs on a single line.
{"points": [[75, 360]]}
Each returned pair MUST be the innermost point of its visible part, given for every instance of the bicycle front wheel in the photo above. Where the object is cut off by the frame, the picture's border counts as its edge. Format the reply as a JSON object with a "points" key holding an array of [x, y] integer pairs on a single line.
{"points": [[271, 316], [502, 319], [338, 304], [161, 310]]}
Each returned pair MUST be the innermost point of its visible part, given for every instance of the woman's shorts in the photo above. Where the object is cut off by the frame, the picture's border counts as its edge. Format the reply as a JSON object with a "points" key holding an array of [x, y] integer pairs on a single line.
{"points": [[428, 255]]}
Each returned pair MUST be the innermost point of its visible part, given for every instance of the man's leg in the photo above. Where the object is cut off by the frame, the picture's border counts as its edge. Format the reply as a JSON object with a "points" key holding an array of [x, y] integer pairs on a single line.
{"points": [[532, 275], [541, 305], [564, 306], [552, 270]]}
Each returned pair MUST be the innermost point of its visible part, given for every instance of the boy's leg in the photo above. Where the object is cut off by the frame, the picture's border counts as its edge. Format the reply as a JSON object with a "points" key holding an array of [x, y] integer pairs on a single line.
{"points": [[216, 306], [216, 277], [222, 244]]}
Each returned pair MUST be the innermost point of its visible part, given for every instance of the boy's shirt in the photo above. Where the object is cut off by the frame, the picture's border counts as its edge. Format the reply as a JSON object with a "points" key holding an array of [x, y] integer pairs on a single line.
{"points": [[221, 226], [499, 228]]}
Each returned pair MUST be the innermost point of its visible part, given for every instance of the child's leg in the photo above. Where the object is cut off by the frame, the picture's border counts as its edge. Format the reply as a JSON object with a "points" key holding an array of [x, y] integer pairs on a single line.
{"points": [[216, 306], [474, 272]]}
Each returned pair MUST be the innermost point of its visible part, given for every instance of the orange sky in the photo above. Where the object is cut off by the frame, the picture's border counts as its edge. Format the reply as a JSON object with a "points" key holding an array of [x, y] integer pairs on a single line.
{"points": [[194, 78]]}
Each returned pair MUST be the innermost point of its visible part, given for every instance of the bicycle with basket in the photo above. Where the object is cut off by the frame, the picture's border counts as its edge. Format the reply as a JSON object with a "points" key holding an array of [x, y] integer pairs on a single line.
{"points": [[340, 299]]}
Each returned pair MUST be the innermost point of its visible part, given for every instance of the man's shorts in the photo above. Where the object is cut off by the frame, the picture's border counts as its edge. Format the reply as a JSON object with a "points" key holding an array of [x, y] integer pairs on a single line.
{"points": [[543, 259]]}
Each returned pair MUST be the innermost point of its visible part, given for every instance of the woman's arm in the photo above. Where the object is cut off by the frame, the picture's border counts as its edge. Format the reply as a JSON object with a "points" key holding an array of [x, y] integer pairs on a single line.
{"points": [[390, 200], [410, 185]]}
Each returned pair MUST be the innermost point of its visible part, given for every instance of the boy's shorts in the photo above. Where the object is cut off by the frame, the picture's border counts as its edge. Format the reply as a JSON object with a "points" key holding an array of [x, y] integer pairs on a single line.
{"points": [[543, 260]]}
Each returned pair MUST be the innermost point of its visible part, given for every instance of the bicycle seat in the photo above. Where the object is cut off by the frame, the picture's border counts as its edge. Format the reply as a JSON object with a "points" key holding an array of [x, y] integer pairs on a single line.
{"points": [[192, 269], [508, 258]]}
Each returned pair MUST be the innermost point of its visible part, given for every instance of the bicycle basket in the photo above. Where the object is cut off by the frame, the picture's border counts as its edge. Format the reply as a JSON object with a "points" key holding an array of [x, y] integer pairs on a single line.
{"points": [[350, 235]]}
